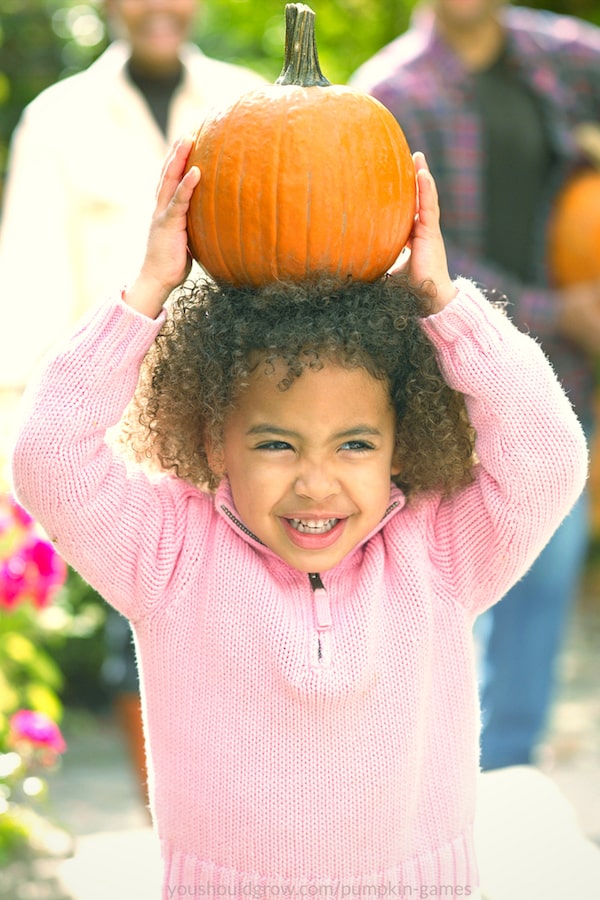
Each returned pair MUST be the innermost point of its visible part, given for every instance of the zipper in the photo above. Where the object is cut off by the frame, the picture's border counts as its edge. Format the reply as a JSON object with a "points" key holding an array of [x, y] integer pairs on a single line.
{"points": [[240, 525], [320, 651], [321, 648]]}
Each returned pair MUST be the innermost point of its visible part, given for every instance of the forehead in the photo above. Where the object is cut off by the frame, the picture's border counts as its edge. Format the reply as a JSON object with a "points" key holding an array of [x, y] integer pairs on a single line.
{"points": [[466, 9], [332, 393]]}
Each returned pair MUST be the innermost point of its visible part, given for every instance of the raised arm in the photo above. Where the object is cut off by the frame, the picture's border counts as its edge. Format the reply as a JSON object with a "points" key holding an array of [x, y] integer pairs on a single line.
{"points": [[530, 446], [531, 451], [167, 261], [109, 521]]}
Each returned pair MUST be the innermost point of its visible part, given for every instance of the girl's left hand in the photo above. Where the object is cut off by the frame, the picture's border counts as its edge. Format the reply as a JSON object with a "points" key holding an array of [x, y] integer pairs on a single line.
{"points": [[426, 264], [167, 261]]}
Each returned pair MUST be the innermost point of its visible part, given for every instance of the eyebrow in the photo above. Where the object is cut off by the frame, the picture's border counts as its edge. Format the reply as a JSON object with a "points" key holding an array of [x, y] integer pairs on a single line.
{"points": [[355, 431]]}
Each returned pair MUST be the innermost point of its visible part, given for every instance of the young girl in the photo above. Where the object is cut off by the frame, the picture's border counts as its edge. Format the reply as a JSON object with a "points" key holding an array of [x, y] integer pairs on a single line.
{"points": [[303, 575]]}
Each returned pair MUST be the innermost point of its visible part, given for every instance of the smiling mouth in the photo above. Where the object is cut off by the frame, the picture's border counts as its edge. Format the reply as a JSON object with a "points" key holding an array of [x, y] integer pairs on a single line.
{"points": [[313, 526]]}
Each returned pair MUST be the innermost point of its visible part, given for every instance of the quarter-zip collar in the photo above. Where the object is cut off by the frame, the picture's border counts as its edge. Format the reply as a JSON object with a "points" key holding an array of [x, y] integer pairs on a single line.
{"points": [[225, 508]]}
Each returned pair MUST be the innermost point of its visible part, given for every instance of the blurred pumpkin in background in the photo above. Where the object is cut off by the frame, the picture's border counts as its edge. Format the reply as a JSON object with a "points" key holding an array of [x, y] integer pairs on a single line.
{"points": [[574, 233], [574, 256]]}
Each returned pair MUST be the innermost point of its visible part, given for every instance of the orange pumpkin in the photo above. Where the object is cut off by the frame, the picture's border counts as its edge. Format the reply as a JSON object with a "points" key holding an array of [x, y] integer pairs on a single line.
{"points": [[574, 230], [301, 178]]}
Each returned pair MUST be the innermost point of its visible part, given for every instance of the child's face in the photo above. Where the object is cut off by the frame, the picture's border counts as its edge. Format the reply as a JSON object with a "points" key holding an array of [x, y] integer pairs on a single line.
{"points": [[310, 467]]}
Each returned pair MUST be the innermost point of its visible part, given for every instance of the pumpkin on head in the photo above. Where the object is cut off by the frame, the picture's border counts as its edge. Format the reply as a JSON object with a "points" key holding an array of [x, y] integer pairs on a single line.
{"points": [[301, 178]]}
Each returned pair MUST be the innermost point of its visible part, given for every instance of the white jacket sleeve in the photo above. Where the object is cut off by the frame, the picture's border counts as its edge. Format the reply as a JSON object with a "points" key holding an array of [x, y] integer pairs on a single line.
{"points": [[37, 248]]}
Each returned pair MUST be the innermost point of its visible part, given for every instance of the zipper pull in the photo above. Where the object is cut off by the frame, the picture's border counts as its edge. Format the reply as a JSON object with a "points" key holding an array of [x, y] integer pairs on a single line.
{"points": [[323, 620], [321, 601]]}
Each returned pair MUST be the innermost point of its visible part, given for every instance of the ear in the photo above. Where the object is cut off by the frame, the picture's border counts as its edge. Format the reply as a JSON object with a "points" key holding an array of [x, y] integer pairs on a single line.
{"points": [[396, 467]]}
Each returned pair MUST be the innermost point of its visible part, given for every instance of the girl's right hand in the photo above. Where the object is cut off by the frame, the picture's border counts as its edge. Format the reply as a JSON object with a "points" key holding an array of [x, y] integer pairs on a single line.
{"points": [[167, 261], [427, 265]]}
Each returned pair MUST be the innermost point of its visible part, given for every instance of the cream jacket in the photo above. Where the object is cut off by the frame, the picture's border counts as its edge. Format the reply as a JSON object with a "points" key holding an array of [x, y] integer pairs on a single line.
{"points": [[84, 165]]}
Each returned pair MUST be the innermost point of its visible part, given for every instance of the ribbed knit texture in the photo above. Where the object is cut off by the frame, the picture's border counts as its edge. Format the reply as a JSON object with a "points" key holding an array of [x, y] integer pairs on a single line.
{"points": [[293, 744]]}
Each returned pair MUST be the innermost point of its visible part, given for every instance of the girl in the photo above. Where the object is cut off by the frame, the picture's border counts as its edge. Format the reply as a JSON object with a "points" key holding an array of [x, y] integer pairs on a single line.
{"points": [[303, 574]]}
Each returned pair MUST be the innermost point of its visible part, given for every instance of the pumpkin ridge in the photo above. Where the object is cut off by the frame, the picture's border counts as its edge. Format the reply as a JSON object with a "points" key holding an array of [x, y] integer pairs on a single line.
{"points": [[239, 251], [197, 239], [291, 191], [269, 257], [328, 228], [376, 186], [210, 161], [222, 261], [354, 184], [345, 164], [367, 185], [279, 190], [263, 212], [216, 245], [405, 180], [308, 255]]}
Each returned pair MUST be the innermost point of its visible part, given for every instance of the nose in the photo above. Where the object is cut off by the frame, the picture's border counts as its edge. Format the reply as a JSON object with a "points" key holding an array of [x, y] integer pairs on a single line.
{"points": [[316, 480]]}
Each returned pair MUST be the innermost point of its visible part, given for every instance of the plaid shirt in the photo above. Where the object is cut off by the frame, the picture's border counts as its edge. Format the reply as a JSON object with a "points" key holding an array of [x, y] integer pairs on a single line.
{"points": [[424, 84]]}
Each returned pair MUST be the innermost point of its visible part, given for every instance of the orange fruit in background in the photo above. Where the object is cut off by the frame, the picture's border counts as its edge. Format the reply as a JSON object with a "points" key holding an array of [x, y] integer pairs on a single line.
{"points": [[574, 230]]}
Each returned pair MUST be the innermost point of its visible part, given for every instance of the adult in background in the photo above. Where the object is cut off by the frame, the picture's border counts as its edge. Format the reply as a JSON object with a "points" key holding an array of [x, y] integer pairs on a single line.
{"points": [[84, 162], [494, 96]]}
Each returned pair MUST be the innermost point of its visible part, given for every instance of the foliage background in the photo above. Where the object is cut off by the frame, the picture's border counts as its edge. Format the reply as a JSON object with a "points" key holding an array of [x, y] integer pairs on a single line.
{"points": [[44, 40]]}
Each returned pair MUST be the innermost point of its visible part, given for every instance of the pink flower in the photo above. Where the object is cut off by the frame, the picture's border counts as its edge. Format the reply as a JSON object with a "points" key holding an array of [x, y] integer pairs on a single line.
{"points": [[10, 584], [21, 516], [30, 568], [13, 516], [38, 729], [45, 570]]}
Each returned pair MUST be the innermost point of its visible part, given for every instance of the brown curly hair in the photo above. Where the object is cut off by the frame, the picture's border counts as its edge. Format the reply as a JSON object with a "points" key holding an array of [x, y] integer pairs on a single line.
{"points": [[214, 336]]}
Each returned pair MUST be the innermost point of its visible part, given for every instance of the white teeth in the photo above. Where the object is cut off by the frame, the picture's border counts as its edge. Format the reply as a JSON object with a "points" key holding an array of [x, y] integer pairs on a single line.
{"points": [[313, 526]]}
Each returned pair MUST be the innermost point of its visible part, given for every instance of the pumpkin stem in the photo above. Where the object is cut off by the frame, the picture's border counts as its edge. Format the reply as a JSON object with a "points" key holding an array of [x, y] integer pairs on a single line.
{"points": [[301, 62]]}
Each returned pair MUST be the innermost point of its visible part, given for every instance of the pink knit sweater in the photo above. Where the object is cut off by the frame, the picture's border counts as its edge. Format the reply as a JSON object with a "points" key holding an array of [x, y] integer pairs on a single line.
{"points": [[306, 741]]}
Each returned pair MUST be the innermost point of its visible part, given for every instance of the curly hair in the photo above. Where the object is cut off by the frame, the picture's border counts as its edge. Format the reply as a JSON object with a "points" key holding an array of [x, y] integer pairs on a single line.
{"points": [[215, 336]]}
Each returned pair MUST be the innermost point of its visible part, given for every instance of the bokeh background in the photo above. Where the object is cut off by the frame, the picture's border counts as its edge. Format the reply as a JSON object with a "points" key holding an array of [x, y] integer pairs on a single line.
{"points": [[44, 40]]}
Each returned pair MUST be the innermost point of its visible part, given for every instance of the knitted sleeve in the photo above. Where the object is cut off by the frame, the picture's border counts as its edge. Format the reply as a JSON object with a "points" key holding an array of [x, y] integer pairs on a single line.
{"points": [[121, 529], [531, 451]]}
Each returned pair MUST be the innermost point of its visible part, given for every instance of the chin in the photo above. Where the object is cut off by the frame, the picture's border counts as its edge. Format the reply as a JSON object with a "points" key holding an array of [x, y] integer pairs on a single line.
{"points": [[312, 562]]}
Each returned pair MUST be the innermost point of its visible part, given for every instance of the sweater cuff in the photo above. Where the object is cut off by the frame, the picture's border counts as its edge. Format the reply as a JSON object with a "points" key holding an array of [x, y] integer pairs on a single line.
{"points": [[466, 313], [126, 309], [119, 325]]}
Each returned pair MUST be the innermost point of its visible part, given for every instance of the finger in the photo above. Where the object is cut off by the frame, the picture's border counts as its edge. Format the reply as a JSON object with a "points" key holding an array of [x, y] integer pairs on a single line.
{"points": [[167, 159], [172, 173], [181, 198], [419, 161], [429, 210], [167, 162]]}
